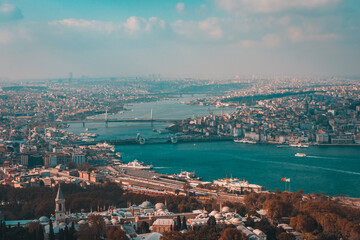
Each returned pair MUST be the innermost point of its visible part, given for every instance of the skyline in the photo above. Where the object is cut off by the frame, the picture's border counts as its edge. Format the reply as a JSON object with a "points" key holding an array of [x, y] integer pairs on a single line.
{"points": [[49, 39]]}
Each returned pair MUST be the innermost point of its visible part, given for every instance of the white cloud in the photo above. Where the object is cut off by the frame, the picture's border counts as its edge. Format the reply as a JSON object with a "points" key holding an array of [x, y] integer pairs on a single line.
{"points": [[135, 24], [301, 34], [9, 12], [180, 7], [211, 27], [131, 26], [207, 29], [271, 6], [93, 25]]}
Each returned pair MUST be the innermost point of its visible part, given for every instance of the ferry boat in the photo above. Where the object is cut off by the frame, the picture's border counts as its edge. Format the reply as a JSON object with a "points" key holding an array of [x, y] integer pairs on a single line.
{"points": [[89, 135], [136, 165], [300, 155], [245, 141], [117, 162], [90, 129], [299, 145]]}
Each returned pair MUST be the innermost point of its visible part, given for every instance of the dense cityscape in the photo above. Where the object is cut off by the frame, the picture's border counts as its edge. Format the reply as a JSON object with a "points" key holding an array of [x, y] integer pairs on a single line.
{"points": [[38, 152], [180, 120]]}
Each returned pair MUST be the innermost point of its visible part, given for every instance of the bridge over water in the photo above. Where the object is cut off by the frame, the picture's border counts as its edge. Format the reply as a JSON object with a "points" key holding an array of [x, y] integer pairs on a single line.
{"points": [[107, 121]]}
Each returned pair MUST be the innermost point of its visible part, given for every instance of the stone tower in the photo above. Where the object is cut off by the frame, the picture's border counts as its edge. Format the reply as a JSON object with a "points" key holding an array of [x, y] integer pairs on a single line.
{"points": [[60, 207]]}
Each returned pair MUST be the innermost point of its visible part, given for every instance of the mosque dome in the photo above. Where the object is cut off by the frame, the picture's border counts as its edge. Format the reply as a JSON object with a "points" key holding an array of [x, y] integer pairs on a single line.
{"points": [[146, 204], [44, 219], [225, 209], [213, 213], [160, 206]]}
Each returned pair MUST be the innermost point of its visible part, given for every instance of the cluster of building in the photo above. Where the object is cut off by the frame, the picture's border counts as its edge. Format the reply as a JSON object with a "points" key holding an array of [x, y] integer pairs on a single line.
{"points": [[156, 217], [316, 115], [237, 185], [48, 162]]}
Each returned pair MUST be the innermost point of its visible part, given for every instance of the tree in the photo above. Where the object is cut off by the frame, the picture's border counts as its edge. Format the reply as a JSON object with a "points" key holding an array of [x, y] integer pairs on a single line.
{"points": [[144, 227], [33, 228], [72, 231], [208, 233], [278, 208], [231, 234], [85, 233], [286, 236], [178, 223], [265, 226], [40, 233], [211, 221], [66, 233], [97, 225], [61, 234], [116, 234], [183, 225], [249, 222], [71, 165], [303, 223], [51, 231], [172, 235]]}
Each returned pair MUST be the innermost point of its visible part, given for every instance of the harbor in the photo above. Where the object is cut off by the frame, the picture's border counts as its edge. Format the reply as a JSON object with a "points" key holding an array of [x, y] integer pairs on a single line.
{"points": [[263, 164]]}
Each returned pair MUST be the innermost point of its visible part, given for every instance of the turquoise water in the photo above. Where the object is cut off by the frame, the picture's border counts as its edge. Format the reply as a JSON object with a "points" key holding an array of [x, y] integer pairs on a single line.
{"points": [[334, 170]]}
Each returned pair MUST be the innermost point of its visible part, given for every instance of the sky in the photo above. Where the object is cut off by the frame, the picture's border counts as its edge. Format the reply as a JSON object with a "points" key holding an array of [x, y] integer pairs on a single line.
{"points": [[197, 38]]}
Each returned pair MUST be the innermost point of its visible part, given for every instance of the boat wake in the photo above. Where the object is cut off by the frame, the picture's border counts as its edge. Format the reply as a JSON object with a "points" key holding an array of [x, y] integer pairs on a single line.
{"points": [[321, 157], [160, 167], [304, 166]]}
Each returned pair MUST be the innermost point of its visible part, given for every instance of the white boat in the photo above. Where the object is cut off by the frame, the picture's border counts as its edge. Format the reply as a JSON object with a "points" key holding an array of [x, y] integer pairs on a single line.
{"points": [[117, 162], [136, 165], [245, 141], [87, 139], [118, 154], [300, 155], [299, 145]]}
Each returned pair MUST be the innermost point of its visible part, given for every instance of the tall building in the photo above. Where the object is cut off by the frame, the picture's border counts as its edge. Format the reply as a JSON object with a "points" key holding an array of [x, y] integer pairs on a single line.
{"points": [[60, 207]]}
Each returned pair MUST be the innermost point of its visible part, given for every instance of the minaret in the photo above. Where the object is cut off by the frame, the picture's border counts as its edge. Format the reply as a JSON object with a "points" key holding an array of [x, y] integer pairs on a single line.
{"points": [[60, 207]]}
